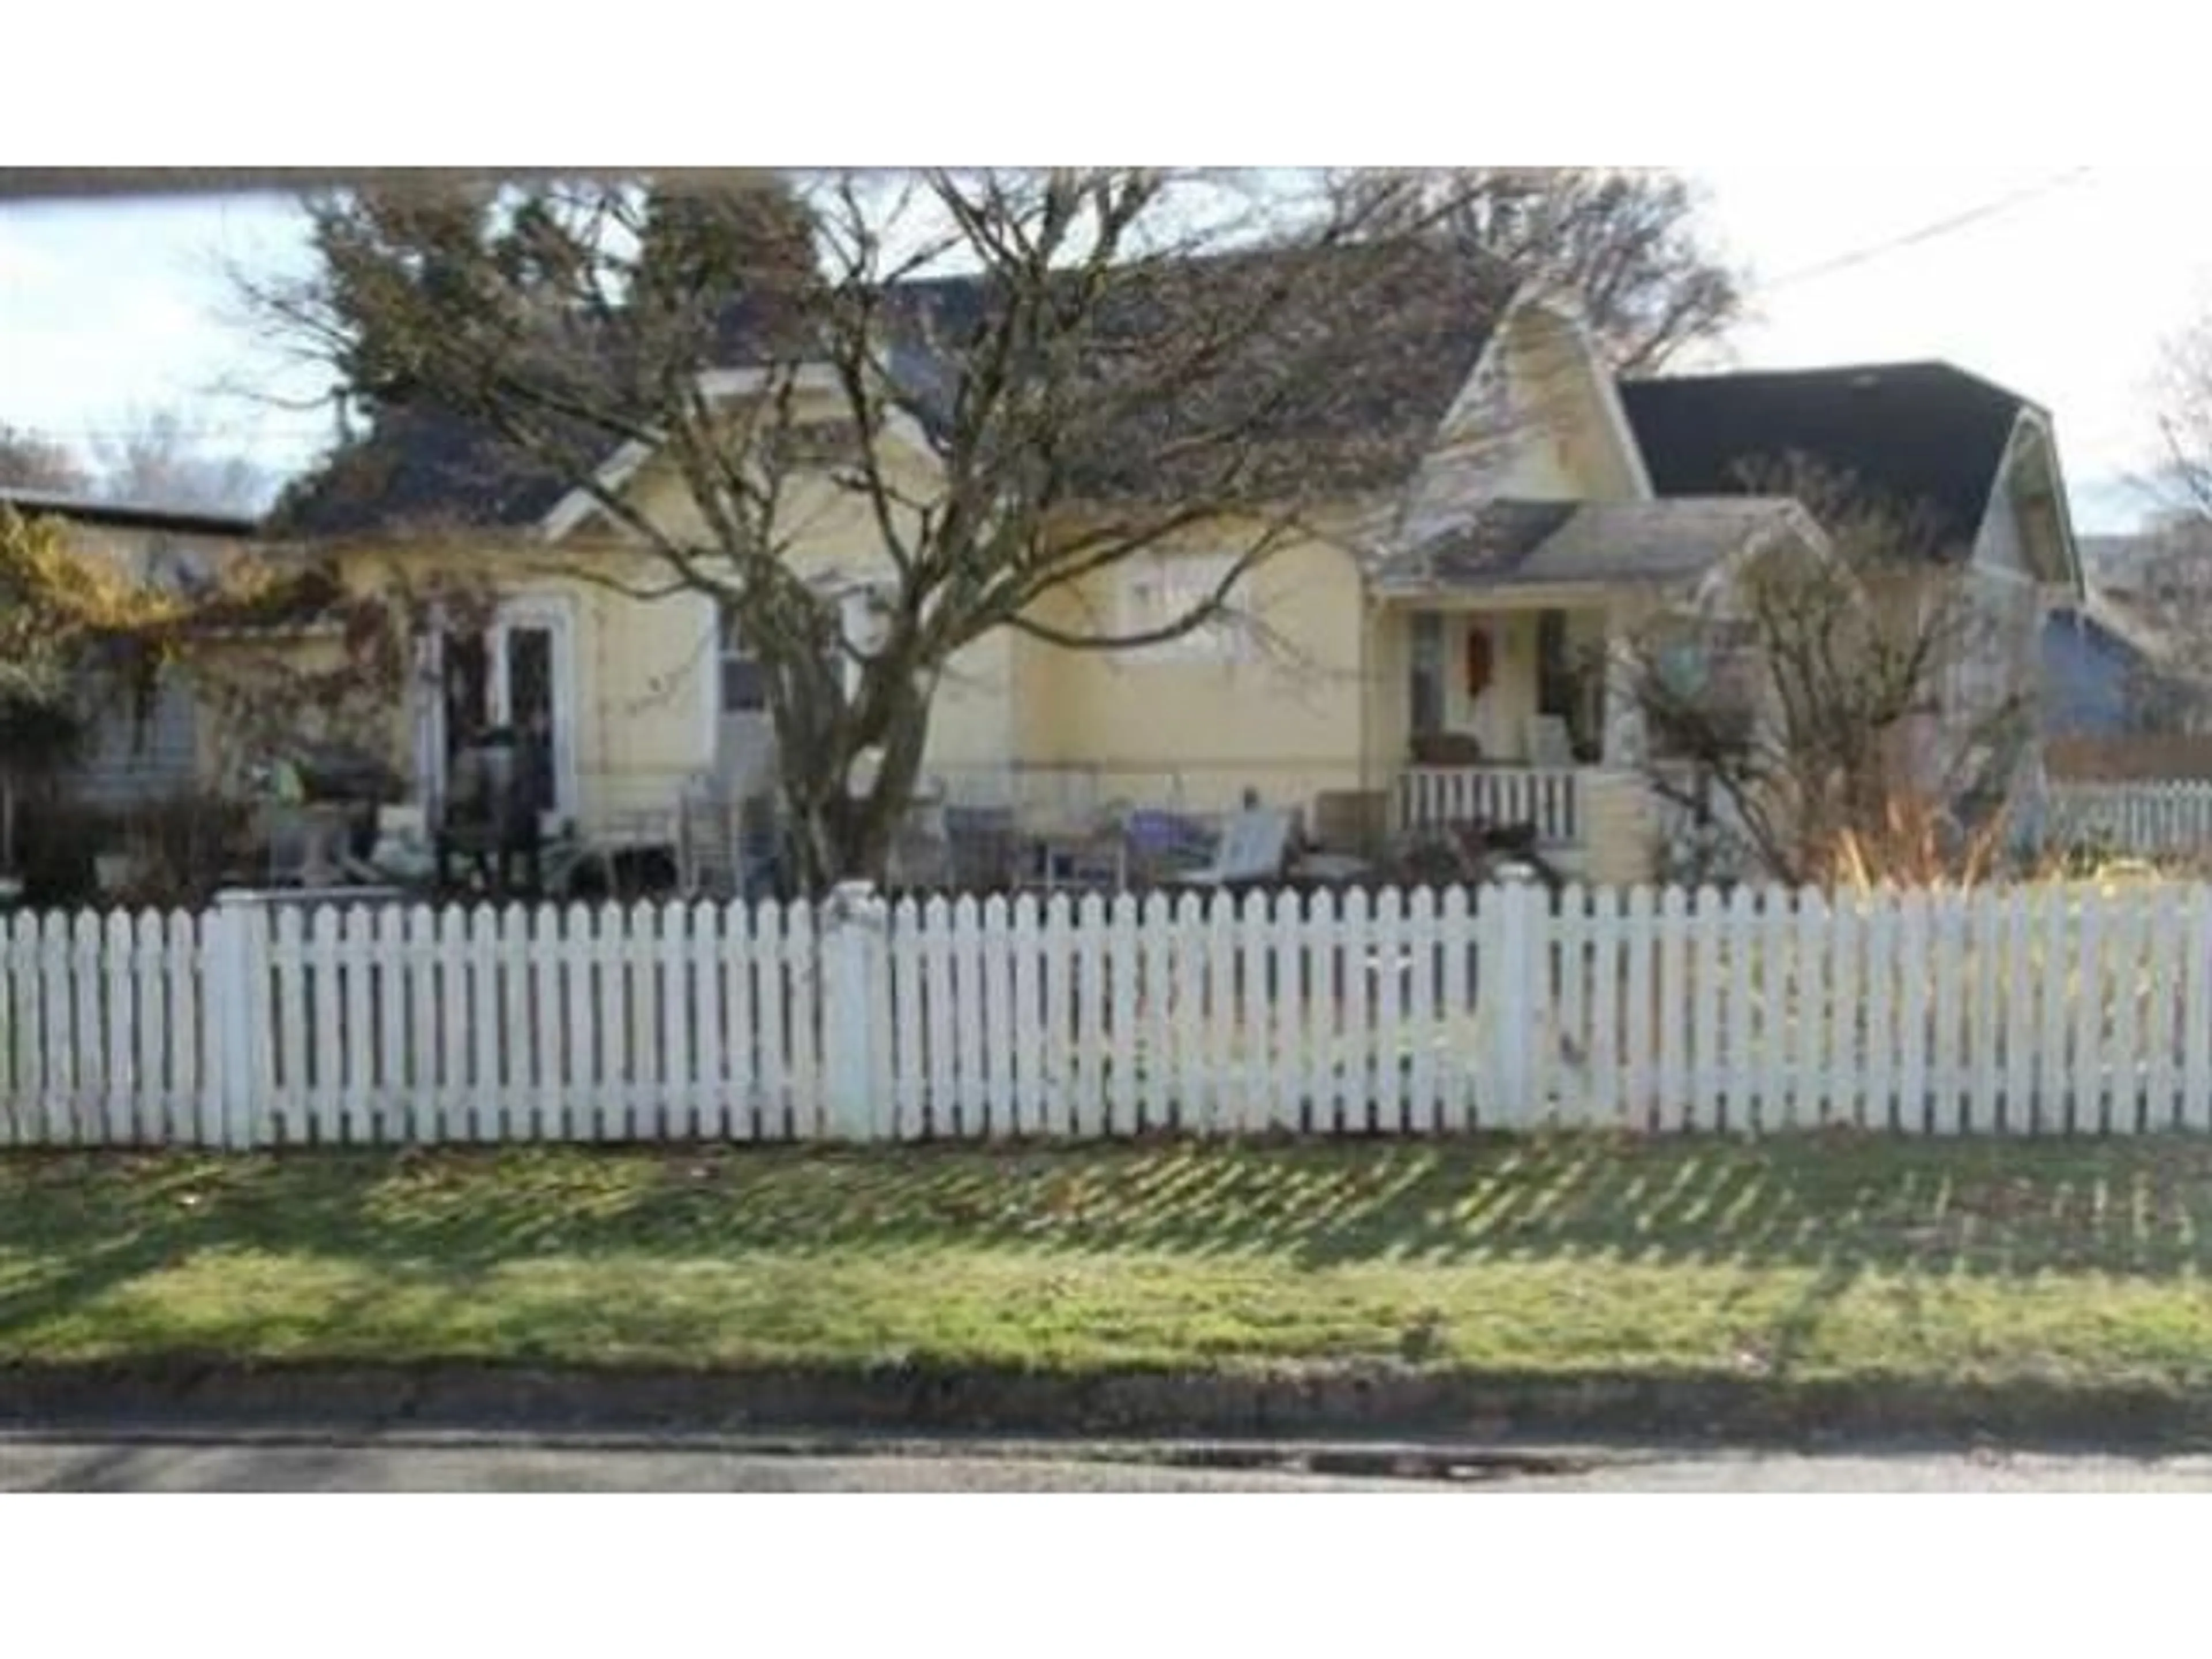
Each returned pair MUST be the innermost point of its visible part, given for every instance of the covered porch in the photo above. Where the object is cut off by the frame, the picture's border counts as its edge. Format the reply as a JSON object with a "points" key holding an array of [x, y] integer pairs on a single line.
{"points": [[1509, 718], [1500, 643]]}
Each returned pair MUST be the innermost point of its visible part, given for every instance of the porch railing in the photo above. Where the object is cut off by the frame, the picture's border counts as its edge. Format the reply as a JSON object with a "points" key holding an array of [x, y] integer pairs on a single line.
{"points": [[1549, 798]]}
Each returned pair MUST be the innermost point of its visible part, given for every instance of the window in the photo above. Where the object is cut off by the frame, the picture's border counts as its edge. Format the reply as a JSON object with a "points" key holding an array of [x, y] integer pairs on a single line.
{"points": [[742, 682], [743, 691], [1160, 590]]}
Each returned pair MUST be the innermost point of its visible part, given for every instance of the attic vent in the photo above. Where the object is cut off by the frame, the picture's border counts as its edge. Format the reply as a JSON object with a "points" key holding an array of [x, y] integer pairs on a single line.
{"points": [[1865, 382]]}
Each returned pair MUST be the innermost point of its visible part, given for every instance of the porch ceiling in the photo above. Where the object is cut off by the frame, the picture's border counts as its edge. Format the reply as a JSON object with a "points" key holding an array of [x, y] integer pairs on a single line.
{"points": [[1512, 545]]}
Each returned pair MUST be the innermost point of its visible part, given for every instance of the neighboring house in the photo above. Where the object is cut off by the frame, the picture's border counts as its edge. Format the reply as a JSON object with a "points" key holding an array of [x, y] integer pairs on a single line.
{"points": [[2117, 563], [1974, 466], [1422, 649], [2093, 674], [133, 756], [2117, 706]]}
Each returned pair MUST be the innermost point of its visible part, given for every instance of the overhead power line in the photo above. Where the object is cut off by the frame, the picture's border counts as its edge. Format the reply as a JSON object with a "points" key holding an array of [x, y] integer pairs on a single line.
{"points": [[1929, 232]]}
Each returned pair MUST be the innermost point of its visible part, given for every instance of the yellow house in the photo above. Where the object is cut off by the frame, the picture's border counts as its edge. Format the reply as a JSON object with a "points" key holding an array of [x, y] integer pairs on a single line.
{"points": [[1419, 652]]}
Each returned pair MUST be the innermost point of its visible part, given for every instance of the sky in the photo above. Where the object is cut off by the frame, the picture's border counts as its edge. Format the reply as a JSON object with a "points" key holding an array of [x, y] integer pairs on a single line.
{"points": [[2060, 283]]}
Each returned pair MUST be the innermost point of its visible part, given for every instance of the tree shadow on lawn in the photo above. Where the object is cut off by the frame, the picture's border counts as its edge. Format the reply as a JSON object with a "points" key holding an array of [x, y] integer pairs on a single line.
{"points": [[2137, 1207]]}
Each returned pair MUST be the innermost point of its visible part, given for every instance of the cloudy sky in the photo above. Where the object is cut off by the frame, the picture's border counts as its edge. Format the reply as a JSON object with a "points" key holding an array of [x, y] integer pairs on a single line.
{"points": [[2061, 282]]}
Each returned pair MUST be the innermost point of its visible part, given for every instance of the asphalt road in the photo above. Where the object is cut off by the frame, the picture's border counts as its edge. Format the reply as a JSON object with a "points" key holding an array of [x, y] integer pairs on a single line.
{"points": [[30, 1463], [372, 1466]]}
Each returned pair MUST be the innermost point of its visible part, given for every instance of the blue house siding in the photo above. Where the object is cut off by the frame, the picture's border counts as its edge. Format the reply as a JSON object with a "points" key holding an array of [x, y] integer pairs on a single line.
{"points": [[2089, 677]]}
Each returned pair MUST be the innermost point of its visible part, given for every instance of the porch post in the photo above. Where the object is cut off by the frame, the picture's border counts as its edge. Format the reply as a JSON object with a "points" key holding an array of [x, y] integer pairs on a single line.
{"points": [[1622, 744], [426, 692]]}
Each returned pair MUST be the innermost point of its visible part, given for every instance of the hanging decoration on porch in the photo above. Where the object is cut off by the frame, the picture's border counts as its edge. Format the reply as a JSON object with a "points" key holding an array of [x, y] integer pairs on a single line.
{"points": [[1478, 660]]}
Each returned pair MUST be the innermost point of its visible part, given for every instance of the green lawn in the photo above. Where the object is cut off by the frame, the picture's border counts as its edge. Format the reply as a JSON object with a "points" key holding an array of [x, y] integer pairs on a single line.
{"points": [[2043, 1262]]}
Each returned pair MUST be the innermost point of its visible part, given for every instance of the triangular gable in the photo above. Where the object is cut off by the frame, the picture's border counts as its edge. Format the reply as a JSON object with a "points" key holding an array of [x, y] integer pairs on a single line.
{"points": [[2027, 527], [629, 462], [1538, 419]]}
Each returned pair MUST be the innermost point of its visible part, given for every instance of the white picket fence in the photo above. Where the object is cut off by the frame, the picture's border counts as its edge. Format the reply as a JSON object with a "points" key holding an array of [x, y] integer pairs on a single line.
{"points": [[2147, 820], [2054, 1008]]}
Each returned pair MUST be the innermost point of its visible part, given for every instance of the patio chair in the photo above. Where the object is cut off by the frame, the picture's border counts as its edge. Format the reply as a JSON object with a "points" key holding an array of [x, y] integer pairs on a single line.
{"points": [[1164, 844], [1091, 854], [1254, 848], [307, 845], [709, 850], [985, 846]]}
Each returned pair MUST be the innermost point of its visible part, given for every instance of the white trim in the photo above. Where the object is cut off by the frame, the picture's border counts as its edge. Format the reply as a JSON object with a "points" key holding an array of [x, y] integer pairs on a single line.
{"points": [[1471, 387], [579, 504], [741, 382], [1562, 307], [710, 672], [2032, 422]]}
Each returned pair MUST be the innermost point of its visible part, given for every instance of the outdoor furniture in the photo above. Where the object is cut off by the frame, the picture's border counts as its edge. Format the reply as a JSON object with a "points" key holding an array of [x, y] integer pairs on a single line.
{"points": [[402, 851], [1078, 861], [1254, 846], [1445, 748], [984, 846], [309, 845], [1163, 845], [709, 850], [492, 822], [1085, 853]]}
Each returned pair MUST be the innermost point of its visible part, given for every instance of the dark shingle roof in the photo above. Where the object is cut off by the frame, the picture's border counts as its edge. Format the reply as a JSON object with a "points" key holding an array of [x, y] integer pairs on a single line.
{"points": [[1925, 436], [418, 467], [128, 515], [1390, 362]]}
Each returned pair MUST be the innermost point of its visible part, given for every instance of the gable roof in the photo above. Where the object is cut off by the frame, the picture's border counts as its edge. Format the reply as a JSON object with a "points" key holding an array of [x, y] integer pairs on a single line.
{"points": [[1392, 352], [1924, 435]]}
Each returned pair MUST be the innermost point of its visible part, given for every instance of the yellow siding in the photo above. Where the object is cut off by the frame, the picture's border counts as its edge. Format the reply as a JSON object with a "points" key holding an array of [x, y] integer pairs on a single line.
{"points": [[1534, 424], [835, 535], [642, 719], [1618, 828], [1286, 719]]}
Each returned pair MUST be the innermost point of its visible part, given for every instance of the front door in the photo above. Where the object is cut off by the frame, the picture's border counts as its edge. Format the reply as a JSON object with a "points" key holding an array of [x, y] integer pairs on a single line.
{"points": [[516, 674]]}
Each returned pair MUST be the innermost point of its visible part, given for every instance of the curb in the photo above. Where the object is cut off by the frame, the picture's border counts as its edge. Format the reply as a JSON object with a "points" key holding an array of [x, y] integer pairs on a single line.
{"points": [[186, 1394]]}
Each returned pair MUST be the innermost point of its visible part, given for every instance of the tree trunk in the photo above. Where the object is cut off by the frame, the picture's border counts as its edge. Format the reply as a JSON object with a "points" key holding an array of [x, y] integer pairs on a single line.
{"points": [[838, 835]]}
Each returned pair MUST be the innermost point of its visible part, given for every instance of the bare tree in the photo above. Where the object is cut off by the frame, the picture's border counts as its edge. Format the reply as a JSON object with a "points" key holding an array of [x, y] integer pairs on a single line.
{"points": [[153, 459], [2160, 600], [1801, 711], [1086, 365], [1624, 241], [28, 461]]}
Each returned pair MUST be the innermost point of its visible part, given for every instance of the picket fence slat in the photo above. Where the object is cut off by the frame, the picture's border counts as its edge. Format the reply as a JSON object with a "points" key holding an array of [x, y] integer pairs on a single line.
{"points": [[2058, 1008]]}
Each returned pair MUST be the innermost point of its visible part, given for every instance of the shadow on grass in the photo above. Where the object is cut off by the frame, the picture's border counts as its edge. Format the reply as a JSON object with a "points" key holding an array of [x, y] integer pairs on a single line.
{"points": [[72, 1224]]}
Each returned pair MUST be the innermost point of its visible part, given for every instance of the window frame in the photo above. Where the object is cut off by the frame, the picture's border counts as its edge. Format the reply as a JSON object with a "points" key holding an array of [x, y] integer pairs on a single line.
{"points": [[731, 652]]}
